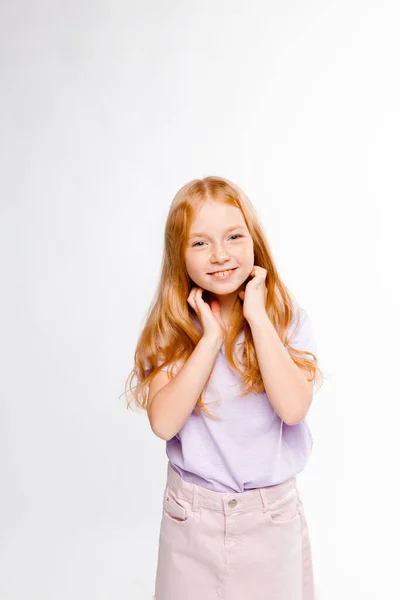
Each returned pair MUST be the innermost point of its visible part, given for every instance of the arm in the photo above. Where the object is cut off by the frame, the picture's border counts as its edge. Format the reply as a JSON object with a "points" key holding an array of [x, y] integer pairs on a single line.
{"points": [[170, 404], [285, 383]]}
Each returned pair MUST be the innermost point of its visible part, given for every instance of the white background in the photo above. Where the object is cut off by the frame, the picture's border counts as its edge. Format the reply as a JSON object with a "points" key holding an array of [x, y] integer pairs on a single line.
{"points": [[108, 108]]}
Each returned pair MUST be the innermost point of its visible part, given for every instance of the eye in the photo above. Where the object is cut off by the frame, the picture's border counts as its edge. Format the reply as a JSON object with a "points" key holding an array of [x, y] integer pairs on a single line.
{"points": [[235, 235]]}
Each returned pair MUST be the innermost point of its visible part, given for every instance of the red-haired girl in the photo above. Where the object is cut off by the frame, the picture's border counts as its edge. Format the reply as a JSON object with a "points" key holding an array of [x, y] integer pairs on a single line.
{"points": [[225, 331]]}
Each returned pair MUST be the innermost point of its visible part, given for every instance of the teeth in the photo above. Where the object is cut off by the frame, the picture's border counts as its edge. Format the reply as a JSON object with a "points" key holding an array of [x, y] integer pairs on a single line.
{"points": [[222, 273]]}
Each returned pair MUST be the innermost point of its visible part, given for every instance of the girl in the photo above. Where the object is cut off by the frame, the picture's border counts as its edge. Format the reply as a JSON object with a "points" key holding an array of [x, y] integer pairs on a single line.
{"points": [[225, 331]]}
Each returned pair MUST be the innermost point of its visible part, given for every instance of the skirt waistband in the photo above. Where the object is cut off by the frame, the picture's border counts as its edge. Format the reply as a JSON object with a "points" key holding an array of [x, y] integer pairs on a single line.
{"points": [[227, 502]]}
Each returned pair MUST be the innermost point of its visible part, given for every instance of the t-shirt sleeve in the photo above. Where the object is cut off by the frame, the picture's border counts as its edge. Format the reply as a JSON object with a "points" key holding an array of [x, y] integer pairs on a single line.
{"points": [[300, 333]]}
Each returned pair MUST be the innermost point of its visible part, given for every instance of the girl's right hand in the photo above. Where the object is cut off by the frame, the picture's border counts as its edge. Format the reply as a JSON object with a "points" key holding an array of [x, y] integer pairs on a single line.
{"points": [[208, 314]]}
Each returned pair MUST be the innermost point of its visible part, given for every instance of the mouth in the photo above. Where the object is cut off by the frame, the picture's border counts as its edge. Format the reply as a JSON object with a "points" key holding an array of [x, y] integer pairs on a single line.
{"points": [[223, 274]]}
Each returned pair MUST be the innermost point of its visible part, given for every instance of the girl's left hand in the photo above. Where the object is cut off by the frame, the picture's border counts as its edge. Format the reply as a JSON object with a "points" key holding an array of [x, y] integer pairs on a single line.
{"points": [[255, 294]]}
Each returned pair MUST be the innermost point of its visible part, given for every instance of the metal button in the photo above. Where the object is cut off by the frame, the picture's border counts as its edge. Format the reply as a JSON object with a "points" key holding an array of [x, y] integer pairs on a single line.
{"points": [[232, 503]]}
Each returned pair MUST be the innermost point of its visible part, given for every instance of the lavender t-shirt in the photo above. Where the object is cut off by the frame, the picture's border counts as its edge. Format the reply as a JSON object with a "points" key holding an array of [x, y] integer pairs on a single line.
{"points": [[249, 446]]}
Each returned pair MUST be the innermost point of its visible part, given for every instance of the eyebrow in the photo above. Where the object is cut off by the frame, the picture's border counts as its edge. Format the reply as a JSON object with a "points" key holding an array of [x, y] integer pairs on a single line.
{"points": [[199, 234]]}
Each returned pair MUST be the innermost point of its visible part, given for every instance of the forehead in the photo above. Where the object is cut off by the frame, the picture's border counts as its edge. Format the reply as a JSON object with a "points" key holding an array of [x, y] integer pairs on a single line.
{"points": [[216, 217]]}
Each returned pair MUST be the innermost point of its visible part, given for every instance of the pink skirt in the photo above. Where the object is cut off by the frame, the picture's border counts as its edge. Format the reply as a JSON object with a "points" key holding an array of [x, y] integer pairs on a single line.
{"points": [[252, 545]]}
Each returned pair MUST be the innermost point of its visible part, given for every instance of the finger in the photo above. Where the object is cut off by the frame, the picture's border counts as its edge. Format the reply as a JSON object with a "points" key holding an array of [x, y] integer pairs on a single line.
{"points": [[198, 300], [192, 304], [199, 295], [191, 299]]}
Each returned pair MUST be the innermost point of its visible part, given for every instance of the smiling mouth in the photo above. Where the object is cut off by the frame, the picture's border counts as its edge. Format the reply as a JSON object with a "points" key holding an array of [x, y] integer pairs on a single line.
{"points": [[222, 274]]}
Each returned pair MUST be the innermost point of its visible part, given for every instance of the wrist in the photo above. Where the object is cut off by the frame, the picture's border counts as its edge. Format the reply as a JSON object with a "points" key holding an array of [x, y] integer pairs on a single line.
{"points": [[211, 342], [258, 320]]}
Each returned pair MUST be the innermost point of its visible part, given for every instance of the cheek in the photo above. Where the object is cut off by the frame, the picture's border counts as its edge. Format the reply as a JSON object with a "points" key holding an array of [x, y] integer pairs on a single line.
{"points": [[247, 263], [193, 268], [247, 257]]}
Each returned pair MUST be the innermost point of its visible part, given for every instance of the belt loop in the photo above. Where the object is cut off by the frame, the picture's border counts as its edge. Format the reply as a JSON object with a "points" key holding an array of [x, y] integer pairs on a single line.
{"points": [[195, 503], [264, 499]]}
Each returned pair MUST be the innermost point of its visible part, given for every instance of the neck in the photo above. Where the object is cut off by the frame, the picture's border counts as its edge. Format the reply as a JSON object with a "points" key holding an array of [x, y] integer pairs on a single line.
{"points": [[226, 303]]}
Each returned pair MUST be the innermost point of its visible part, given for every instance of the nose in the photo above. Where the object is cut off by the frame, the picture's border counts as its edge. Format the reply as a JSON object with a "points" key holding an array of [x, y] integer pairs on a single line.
{"points": [[220, 259], [220, 255]]}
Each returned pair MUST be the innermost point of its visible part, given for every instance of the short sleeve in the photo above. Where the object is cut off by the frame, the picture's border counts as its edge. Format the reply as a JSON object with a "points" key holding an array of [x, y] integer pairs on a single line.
{"points": [[300, 333]]}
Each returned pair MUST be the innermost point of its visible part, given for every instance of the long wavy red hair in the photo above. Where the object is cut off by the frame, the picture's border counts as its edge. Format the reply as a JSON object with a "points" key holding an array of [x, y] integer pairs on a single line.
{"points": [[170, 333]]}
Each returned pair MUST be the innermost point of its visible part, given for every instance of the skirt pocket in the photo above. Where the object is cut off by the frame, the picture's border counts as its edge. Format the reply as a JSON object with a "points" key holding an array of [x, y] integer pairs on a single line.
{"points": [[284, 509], [174, 508]]}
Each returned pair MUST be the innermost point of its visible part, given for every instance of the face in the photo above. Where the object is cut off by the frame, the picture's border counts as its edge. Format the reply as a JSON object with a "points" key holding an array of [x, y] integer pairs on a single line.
{"points": [[219, 241]]}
